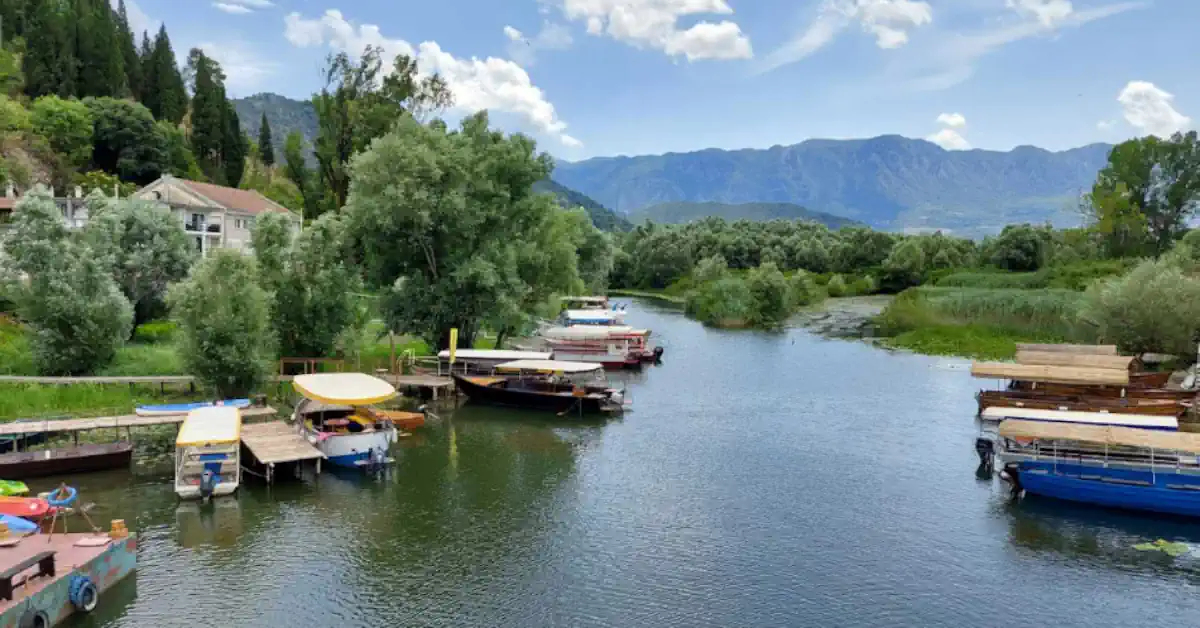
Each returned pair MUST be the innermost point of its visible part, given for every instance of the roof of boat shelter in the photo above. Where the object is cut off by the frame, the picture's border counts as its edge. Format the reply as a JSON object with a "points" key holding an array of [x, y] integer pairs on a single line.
{"points": [[1051, 374], [1102, 435], [354, 389], [588, 315], [997, 413], [1085, 360], [494, 354], [215, 425], [593, 331], [554, 366]]}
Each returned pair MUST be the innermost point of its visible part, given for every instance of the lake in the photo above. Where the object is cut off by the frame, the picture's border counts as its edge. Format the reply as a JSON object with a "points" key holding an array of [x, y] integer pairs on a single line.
{"points": [[762, 479]]}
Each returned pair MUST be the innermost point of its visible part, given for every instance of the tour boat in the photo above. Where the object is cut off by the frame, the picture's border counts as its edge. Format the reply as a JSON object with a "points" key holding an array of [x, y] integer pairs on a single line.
{"points": [[585, 303], [208, 453], [592, 317], [615, 346], [1118, 467], [333, 418], [184, 408], [543, 385], [484, 360]]}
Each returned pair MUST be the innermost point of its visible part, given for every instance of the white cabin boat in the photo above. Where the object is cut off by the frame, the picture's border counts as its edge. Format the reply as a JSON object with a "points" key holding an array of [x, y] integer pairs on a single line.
{"points": [[614, 346], [484, 359], [208, 453], [334, 418], [592, 317]]}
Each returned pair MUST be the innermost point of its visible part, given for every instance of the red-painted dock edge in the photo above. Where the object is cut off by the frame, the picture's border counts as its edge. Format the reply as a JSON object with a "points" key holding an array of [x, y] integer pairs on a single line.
{"points": [[105, 566]]}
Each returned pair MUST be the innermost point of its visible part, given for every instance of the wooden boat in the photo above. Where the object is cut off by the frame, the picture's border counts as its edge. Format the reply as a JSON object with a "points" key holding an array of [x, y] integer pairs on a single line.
{"points": [[329, 418], [1103, 391], [402, 420], [66, 460], [536, 386], [184, 408], [483, 360], [1079, 403], [1140, 421], [208, 453]]}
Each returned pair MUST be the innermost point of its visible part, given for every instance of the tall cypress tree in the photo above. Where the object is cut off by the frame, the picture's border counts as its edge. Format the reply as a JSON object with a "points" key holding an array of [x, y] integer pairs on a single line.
{"points": [[49, 61], [208, 111], [129, 52], [266, 149], [12, 12], [162, 85], [101, 68], [233, 147]]}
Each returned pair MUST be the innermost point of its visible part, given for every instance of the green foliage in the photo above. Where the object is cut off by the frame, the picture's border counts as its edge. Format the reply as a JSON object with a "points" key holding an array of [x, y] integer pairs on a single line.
{"points": [[49, 61], [163, 91], [125, 140], [272, 185], [155, 332], [604, 218], [66, 125], [12, 79], [233, 148], [440, 220], [711, 268], [836, 287], [266, 146], [13, 117], [36, 237], [727, 302], [1119, 221], [16, 358], [144, 246], [129, 55], [299, 174], [772, 301], [100, 62], [680, 212], [1156, 307], [1076, 276], [1047, 312], [180, 161], [98, 180], [1021, 248], [804, 290], [224, 326]]}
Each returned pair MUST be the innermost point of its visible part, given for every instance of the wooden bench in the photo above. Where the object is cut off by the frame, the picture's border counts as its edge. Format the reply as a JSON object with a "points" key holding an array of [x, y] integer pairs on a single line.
{"points": [[45, 563]]}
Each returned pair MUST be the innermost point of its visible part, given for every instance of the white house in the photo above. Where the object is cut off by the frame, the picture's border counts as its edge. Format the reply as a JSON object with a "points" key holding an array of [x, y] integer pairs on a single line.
{"points": [[214, 216]]}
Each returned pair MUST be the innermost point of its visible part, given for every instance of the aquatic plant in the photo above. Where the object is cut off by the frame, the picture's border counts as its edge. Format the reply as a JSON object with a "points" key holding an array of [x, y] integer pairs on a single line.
{"points": [[1162, 545]]}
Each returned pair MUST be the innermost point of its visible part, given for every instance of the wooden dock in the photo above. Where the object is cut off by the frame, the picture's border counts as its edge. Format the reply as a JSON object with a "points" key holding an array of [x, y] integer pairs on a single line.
{"points": [[31, 426], [276, 442]]}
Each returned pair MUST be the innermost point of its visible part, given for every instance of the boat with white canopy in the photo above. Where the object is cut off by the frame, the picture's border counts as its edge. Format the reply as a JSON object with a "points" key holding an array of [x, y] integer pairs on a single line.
{"points": [[208, 453], [614, 346], [553, 385], [592, 317], [1147, 422], [335, 417], [484, 359]]}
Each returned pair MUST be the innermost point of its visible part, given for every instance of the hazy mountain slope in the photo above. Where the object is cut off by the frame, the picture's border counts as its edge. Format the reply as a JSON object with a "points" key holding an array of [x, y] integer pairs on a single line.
{"points": [[283, 114], [603, 217], [683, 211]]}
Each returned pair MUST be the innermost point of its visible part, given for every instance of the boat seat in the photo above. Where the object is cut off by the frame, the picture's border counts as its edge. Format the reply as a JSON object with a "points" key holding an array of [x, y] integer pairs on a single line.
{"points": [[44, 562]]}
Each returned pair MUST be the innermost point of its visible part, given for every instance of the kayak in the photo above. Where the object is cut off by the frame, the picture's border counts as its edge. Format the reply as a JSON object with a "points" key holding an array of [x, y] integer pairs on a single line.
{"points": [[13, 487], [184, 408], [17, 525], [23, 506]]}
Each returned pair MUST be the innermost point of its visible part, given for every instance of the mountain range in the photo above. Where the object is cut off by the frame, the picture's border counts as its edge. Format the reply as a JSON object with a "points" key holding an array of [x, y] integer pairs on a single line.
{"points": [[888, 182], [679, 212]]}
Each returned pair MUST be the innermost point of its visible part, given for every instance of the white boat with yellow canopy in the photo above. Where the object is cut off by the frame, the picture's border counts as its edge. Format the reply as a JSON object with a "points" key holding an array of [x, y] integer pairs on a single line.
{"points": [[335, 417], [208, 453]]}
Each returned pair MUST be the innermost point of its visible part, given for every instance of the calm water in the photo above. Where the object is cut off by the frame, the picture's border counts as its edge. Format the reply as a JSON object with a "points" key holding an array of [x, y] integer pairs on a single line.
{"points": [[763, 480]]}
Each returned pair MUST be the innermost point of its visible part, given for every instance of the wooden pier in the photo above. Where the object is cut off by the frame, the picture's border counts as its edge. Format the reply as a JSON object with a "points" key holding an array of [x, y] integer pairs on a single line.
{"points": [[275, 443], [36, 426]]}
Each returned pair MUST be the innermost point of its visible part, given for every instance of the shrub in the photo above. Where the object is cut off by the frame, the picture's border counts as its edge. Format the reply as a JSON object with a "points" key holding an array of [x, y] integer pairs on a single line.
{"points": [[804, 290], [710, 269], [1020, 248], [769, 288], [836, 286], [1156, 307], [727, 303], [222, 313], [66, 125], [864, 285], [155, 332]]}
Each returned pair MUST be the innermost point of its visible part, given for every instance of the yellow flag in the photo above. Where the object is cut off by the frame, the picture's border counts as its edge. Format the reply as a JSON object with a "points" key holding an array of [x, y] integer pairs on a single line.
{"points": [[453, 343]]}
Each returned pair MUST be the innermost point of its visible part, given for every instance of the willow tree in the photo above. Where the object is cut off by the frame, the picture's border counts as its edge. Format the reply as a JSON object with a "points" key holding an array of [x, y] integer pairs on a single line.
{"points": [[442, 218]]}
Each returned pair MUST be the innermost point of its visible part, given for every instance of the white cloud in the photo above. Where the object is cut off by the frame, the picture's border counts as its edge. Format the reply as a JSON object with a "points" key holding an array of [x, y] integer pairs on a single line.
{"points": [[1046, 12], [952, 120], [524, 49], [235, 9], [655, 24], [888, 20], [1106, 125], [1150, 110], [491, 83], [244, 69], [950, 137]]}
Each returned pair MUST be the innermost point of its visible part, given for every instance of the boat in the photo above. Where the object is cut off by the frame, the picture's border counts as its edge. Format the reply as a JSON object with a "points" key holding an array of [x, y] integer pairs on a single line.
{"points": [[543, 385], [615, 346], [1079, 403], [184, 408], [67, 460], [17, 442], [1142, 421], [585, 303], [25, 507], [334, 418], [484, 360], [591, 317], [1117, 467], [208, 453]]}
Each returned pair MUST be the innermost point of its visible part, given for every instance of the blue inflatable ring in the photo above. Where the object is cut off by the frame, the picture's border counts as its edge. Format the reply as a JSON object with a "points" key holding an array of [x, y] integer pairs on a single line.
{"points": [[62, 502], [82, 593]]}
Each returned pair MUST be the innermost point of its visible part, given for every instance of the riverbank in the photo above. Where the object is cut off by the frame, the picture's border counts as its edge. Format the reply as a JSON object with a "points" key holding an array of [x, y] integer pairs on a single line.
{"points": [[657, 295]]}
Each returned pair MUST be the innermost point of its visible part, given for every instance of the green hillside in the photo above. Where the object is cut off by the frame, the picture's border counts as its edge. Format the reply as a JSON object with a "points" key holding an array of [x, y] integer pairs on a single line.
{"points": [[681, 212], [603, 217]]}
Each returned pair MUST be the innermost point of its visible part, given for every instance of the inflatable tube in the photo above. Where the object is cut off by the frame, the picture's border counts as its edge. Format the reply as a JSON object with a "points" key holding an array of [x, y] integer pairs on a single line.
{"points": [[83, 593], [62, 502]]}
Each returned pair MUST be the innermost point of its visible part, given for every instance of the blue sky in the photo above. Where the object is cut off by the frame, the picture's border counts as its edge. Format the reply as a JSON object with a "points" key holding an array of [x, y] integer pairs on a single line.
{"points": [[611, 77]]}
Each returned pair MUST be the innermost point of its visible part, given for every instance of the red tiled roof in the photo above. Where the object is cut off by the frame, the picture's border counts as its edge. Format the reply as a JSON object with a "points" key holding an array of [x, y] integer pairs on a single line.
{"points": [[249, 201]]}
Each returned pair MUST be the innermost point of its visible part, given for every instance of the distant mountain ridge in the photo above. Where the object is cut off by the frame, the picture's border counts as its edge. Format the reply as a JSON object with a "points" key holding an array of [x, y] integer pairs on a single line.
{"points": [[682, 211], [603, 217], [284, 115], [886, 182]]}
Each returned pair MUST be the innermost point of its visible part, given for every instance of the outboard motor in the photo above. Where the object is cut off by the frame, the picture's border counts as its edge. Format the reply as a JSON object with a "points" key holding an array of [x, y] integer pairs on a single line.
{"points": [[658, 353], [986, 449], [208, 484], [1012, 475]]}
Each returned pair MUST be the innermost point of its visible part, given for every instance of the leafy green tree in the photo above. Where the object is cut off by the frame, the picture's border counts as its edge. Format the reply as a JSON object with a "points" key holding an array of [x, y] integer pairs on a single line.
{"points": [[279, 189], [727, 302], [145, 247], [224, 325], [803, 290], [49, 60], [12, 79], [905, 266], [772, 302], [131, 61], [66, 125], [13, 117], [93, 180], [125, 140], [178, 152], [233, 147], [208, 111], [12, 19], [101, 64], [163, 91], [297, 171], [1161, 179], [860, 248], [266, 147], [35, 236], [711, 269], [439, 218], [1155, 308], [1021, 248]]}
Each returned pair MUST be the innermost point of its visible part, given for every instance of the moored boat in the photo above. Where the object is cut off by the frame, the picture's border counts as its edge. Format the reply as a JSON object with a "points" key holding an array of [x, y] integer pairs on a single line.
{"points": [[1079, 403], [67, 460], [484, 360], [208, 453], [591, 317], [615, 346], [1141, 421], [329, 418], [543, 385], [1118, 467]]}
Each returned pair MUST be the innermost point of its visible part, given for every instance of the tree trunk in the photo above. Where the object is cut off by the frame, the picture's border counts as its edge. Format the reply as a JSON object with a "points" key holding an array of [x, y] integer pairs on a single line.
{"points": [[501, 336]]}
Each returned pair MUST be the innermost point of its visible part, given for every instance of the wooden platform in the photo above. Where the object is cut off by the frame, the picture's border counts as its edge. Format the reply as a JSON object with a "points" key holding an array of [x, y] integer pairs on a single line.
{"points": [[108, 422], [276, 442], [60, 381]]}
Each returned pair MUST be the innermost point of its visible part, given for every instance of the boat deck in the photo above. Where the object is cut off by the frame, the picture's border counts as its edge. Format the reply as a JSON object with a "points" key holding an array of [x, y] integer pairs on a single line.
{"points": [[277, 442], [103, 560], [132, 420]]}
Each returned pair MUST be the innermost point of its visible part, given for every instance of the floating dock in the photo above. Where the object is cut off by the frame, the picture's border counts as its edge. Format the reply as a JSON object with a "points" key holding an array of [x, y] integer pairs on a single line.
{"points": [[46, 579], [277, 443]]}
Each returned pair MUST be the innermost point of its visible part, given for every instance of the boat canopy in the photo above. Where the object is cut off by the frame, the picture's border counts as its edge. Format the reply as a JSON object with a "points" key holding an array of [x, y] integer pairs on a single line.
{"points": [[351, 389], [215, 425], [1102, 435], [599, 316], [592, 299], [1086, 360], [1051, 374], [1067, 348], [493, 354], [1144, 421], [550, 366], [591, 332]]}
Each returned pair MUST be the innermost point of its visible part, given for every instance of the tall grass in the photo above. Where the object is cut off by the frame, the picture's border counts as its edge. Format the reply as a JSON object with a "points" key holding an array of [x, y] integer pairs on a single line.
{"points": [[1075, 276], [38, 401], [15, 355]]}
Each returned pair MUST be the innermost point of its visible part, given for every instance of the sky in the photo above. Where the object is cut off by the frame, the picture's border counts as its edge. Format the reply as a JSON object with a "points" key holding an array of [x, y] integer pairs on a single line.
{"points": [[593, 78]]}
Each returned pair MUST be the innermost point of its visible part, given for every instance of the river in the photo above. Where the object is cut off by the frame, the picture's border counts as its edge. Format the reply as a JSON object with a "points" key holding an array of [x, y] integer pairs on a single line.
{"points": [[763, 479]]}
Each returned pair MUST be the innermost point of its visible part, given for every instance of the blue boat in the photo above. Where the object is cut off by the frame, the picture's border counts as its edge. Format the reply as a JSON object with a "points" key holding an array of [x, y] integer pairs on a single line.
{"points": [[1115, 467], [184, 408]]}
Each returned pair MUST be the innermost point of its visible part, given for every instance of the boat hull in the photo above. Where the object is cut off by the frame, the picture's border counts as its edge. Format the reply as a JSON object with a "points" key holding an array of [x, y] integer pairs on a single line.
{"points": [[527, 399], [65, 461], [610, 361], [184, 408], [351, 451], [1112, 488], [193, 492]]}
